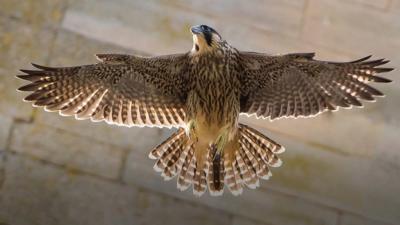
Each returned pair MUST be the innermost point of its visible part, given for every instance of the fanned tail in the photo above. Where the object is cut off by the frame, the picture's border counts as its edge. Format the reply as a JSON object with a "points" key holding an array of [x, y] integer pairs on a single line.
{"points": [[243, 162], [251, 161], [176, 155], [168, 154]]}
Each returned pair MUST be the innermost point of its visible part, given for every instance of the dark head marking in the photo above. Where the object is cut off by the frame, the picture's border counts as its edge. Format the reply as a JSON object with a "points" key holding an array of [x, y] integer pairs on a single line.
{"points": [[206, 31]]}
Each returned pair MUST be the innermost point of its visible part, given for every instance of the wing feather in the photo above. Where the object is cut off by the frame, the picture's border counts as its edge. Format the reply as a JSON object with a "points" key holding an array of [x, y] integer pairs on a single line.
{"points": [[296, 85], [121, 89]]}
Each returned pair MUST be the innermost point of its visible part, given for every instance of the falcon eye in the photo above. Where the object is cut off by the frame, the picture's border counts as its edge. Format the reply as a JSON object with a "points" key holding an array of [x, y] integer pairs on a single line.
{"points": [[197, 47]]}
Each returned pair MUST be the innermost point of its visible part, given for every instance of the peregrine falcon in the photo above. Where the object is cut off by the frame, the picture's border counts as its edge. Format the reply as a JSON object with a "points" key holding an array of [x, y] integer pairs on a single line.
{"points": [[202, 93]]}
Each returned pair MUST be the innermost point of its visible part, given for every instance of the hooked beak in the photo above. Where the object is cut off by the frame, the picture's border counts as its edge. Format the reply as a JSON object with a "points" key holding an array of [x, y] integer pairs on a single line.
{"points": [[196, 30]]}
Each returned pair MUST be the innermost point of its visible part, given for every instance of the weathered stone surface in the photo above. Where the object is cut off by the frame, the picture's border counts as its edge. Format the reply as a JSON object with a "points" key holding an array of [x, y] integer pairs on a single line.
{"points": [[74, 49], [261, 41], [343, 181], [122, 137], [166, 29], [27, 43], [280, 208], [36, 193], [35, 12], [12, 104], [395, 6], [2, 172], [5, 126], [20, 44], [378, 4], [70, 150], [329, 23], [161, 209], [244, 221], [349, 219], [283, 17]]}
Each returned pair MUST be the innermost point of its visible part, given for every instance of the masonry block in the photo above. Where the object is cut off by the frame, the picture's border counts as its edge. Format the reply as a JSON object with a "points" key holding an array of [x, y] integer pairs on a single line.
{"points": [[35, 12], [38, 193], [64, 148]]}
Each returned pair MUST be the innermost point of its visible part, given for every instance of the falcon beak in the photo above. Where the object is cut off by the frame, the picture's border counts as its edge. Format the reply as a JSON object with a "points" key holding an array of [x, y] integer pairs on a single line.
{"points": [[196, 29]]}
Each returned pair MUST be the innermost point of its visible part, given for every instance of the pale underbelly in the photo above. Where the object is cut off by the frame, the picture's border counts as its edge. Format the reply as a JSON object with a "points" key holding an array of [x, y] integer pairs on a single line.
{"points": [[214, 116]]}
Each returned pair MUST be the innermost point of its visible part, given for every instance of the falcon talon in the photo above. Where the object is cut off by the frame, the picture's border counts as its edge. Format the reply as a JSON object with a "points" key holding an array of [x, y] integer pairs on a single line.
{"points": [[202, 93]]}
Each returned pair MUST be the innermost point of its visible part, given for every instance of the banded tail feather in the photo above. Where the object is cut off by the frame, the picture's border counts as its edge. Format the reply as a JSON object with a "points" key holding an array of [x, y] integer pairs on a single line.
{"points": [[251, 162], [215, 178]]}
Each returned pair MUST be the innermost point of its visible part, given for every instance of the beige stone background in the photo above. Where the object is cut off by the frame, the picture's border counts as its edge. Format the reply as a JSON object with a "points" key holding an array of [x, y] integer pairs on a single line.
{"points": [[340, 168]]}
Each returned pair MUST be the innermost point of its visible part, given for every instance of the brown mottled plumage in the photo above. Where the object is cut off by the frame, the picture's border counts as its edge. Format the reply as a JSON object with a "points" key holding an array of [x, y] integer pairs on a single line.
{"points": [[202, 93]]}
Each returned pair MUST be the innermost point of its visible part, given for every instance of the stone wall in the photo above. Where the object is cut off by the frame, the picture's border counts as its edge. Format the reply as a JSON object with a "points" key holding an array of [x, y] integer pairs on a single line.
{"points": [[339, 168]]}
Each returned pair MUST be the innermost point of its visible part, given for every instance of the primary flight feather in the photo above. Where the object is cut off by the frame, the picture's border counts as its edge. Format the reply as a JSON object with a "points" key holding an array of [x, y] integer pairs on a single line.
{"points": [[202, 93]]}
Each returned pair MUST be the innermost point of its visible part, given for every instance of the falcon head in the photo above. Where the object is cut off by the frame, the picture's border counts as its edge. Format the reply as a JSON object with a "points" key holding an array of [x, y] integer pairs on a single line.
{"points": [[205, 38]]}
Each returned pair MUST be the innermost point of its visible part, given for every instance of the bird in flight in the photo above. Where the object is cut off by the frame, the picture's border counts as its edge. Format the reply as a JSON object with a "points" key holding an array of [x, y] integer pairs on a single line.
{"points": [[202, 93]]}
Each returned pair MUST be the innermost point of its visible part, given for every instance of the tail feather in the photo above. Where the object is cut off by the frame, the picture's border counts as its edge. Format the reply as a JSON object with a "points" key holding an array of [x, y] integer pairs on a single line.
{"points": [[189, 175], [182, 157], [252, 179], [164, 160], [267, 150], [261, 165], [183, 183], [238, 177], [245, 172], [263, 172], [215, 179], [251, 158], [258, 167], [171, 157], [200, 180], [171, 169], [242, 168], [201, 172], [232, 179], [157, 151], [168, 152], [242, 164], [263, 141]]}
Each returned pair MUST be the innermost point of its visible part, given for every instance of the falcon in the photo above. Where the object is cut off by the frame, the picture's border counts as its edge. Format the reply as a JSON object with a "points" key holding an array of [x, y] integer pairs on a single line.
{"points": [[202, 93]]}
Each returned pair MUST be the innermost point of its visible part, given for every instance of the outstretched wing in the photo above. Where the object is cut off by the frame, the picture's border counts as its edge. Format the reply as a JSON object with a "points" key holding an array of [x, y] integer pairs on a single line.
{"points": [[296, 85], [121, 89]]}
